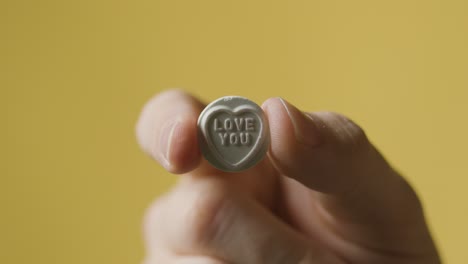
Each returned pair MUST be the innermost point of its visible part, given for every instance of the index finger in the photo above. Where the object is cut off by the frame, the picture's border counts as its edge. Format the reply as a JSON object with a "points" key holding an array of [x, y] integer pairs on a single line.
{"points": [[167, 130]]}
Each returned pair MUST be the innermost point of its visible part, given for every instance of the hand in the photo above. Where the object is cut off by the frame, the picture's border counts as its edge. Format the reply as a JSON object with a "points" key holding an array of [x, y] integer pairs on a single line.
{"points": [[324, 194]]}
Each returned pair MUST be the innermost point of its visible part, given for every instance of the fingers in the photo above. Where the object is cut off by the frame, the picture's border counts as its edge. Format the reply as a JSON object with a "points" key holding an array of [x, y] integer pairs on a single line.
{"points": [[167, 130], [324, 151], [329, 153], [205, 217], [358, 194]]}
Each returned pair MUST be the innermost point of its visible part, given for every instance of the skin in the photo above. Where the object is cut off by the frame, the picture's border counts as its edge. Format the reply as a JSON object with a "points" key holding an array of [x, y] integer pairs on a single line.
{"points": [[324, 194]]}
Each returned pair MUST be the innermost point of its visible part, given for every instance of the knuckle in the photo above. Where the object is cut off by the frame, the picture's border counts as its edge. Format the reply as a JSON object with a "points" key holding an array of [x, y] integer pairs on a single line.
{"points": [[205, 213], [351, 138], [152, 217], [191, 216]]}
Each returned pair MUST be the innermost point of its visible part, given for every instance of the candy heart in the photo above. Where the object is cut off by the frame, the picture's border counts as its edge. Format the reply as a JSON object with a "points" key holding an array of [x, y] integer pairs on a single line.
{"points": [[233, 133]]}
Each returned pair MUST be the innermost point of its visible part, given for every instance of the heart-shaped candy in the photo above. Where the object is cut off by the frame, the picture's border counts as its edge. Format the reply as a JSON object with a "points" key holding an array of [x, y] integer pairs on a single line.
{"points": [[233, 133]]}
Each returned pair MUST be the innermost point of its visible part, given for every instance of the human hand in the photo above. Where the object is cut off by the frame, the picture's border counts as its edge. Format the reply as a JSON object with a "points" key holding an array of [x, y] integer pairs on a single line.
{"points": [[323, 195]]}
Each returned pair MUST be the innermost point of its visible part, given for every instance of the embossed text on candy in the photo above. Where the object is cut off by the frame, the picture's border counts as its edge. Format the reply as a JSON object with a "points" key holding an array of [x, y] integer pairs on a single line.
{"points": [[234, 131]]}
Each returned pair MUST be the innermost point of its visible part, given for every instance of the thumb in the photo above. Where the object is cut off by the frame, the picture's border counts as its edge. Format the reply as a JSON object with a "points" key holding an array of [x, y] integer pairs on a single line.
{"points": [[361, 193], [325, 151]]}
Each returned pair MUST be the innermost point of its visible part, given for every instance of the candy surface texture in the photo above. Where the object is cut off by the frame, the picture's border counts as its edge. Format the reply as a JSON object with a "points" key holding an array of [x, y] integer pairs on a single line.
{"points": [[233, 133]]}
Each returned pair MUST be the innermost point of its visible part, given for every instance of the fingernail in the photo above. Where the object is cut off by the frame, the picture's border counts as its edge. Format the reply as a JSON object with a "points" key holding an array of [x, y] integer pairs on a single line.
{"points": [[304, 128], [165, 142]]}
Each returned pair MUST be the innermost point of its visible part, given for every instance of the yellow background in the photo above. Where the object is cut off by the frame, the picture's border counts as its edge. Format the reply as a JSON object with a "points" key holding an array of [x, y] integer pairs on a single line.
{"points": [[74, 75]]}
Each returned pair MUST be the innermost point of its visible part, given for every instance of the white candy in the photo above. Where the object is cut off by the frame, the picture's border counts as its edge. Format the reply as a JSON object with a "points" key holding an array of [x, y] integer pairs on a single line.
{"points": [[233, 133]]}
